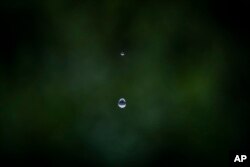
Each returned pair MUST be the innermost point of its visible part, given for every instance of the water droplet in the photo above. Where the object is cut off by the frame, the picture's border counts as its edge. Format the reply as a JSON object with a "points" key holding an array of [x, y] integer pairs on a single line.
{"points": [[122, 103], [122, 53]]}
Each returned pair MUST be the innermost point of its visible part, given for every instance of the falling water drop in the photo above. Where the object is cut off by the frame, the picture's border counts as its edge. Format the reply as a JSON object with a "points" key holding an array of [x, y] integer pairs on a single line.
{"points": [[122, 53], [122, 103]]}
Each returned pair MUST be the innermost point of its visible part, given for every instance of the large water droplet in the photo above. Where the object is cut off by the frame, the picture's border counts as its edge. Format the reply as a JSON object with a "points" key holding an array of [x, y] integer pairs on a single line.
{"points": [[122, 103], [122, 53]]}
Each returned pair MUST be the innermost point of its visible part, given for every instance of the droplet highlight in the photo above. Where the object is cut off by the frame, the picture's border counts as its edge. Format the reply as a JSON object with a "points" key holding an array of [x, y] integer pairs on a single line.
{"points": [[122, 53], [122, 103]]}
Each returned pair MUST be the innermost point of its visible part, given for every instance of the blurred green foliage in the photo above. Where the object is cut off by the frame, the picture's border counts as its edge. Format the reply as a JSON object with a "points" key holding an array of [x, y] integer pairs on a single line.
{"points": [[61, 77]]}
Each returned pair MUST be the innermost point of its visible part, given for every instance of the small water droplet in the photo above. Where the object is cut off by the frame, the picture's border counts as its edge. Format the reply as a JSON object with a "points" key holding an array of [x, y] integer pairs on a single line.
{"points": [[122, 53], [122, 103]]}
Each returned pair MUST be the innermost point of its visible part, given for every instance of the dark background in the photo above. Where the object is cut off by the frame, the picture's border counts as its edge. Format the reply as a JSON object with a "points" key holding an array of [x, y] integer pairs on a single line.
{"points": [[184, 77]]}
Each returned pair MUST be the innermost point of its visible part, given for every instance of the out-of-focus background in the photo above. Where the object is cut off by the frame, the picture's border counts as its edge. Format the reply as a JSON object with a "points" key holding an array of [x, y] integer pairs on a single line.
{"points": [[184, 77]]}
